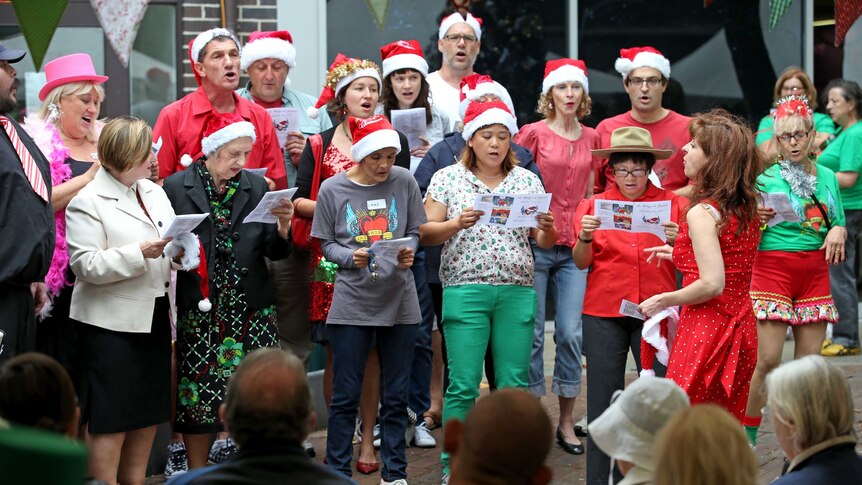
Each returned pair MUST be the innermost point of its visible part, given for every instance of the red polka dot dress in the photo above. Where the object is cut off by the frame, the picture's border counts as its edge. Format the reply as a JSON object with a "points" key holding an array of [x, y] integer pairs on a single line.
{"points": [[715, 349]]}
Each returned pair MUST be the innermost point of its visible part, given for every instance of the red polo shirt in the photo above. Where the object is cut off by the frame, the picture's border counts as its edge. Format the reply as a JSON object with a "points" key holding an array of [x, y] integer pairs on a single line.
{"points": [[668, 133], [180, 125], [619, 270]]}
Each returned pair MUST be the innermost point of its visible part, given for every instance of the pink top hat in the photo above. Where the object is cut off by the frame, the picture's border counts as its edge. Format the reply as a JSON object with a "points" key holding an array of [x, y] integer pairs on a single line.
{"points": [[69, 69]]}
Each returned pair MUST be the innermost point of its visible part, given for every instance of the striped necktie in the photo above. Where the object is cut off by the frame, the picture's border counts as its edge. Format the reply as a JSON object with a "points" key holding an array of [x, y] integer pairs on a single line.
{"points": [[31, 170]]}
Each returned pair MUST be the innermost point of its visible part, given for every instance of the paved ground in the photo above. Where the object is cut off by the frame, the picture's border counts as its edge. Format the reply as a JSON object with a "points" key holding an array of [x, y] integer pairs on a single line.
{"points": [[424, 464]]}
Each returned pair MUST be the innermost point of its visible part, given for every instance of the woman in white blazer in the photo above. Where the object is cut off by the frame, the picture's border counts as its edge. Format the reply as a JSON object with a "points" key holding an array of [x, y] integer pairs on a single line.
{"points": [[114, 232]]}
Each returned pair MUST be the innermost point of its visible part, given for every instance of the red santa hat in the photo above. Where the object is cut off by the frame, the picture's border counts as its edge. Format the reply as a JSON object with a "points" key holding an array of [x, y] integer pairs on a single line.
{"points": [[635, 57], [204, 304], [403, 54], [456, 18], [372, 134], [565, 70], [474, 86], [342, 72], [197, 45], [220, 129], [268, 45], [480, 115]]}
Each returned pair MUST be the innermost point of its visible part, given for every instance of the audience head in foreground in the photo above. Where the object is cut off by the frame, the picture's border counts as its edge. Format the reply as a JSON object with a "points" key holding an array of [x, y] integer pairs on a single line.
{"points": [[484, 452], [704, 445], [36, 391]]}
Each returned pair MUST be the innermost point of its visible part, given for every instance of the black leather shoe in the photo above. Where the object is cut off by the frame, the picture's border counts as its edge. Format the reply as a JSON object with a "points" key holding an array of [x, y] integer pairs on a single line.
{"points": [[569, 447]]}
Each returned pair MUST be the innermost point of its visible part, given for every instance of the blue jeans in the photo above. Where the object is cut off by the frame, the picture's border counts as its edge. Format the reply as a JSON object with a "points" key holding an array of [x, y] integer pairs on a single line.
{"points": [[419, 398], [843, 282], [556, 271], [350, 346]]}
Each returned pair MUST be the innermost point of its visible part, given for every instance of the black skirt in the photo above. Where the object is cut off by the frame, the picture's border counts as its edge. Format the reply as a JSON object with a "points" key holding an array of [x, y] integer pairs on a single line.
{"points": [[126, 379]]}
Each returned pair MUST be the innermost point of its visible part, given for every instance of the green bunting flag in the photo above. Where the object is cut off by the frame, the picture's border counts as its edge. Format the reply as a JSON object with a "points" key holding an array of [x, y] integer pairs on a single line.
{"points": [[38, 22]]}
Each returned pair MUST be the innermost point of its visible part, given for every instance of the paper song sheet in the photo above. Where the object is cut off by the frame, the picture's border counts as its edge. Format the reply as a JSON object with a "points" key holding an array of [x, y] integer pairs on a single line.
{"points": [[511, 210], [184, 223], [411, 122], [285, 121], [783, 209], [630, 309], [388, 249], [626, 215], [263, 211]]}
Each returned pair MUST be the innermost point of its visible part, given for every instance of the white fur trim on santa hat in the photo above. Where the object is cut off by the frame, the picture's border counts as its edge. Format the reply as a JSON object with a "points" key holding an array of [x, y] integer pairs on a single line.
{"points": [[370, 72], [189, 245], [565, 74], [647, 373], [269, 48], [211, 143], [404, 61], [373, 142], [494, 116], [456, 18], [186, 160], [643, 59], [482, 89], [206, 36]]}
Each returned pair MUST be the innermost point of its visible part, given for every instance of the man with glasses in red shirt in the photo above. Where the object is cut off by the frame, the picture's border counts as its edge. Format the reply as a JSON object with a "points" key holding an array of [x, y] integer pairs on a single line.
{"points": [[645, 74]]}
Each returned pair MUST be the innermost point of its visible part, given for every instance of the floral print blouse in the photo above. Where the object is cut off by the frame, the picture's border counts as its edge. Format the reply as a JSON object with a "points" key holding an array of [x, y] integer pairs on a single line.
{"points": [[483, 254]]}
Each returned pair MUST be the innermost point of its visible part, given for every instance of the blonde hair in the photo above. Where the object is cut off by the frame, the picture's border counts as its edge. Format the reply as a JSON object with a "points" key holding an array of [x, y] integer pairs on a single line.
{"points": [[125, 143], [546, 106], [704, 445], [71, 89], [814, 397]]}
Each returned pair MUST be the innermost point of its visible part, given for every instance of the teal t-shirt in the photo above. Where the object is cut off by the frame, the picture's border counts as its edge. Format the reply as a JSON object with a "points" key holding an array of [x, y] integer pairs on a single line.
{"points": [[822, 123], [844, 154], [809, 233]]}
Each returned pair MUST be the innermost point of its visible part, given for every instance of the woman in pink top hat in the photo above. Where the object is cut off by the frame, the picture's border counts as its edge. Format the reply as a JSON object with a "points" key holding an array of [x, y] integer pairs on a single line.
{"points": [[66, 130]]}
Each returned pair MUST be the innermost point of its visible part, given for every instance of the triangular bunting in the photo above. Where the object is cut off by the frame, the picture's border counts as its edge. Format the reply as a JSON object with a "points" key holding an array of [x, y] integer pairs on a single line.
{"points": [[776, 11], [379, 10], [120, 20], [846, 13], [38, 22]]}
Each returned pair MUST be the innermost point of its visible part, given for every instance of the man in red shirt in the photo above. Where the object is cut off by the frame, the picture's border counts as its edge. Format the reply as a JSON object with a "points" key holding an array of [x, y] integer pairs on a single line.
{"points": [[215, 56], [645, 74]]}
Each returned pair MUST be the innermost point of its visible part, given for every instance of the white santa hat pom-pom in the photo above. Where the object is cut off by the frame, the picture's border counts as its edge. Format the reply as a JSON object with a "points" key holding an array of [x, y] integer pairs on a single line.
{"points": [[647, 373], [312, 112], [186, 160], [205, 305]]}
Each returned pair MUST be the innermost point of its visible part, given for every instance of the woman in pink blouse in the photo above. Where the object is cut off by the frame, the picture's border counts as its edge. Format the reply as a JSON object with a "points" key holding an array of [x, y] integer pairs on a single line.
{"points": [[561, 147]]}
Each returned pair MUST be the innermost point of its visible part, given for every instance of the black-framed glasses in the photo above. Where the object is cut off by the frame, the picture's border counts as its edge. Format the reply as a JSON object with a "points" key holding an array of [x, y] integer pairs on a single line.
{"points": [[798, 136], [622, 173], [455, 38], [650, 81]]}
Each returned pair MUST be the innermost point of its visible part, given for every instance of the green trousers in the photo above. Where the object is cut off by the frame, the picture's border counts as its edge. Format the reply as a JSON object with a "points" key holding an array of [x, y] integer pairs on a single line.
{"points": [[473, 315]]}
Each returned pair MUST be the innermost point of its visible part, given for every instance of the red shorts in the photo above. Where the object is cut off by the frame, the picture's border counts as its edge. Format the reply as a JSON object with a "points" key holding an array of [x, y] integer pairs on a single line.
{"points": [[792, 287]]}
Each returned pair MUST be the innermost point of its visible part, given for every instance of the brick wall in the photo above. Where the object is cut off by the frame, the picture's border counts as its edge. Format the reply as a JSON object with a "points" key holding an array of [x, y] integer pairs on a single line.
{"points": [[200, 15]]}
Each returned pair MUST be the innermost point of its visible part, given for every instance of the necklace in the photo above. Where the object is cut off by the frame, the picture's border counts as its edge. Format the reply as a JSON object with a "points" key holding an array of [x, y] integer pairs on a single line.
{"points": [[477, 173], [346, 133]]}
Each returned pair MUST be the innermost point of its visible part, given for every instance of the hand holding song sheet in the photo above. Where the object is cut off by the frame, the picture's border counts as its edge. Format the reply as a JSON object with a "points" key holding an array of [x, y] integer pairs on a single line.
{"points": [[780, 203], [630, 216], [263, 211], [285, 121], [388, 249], [511, 210]]}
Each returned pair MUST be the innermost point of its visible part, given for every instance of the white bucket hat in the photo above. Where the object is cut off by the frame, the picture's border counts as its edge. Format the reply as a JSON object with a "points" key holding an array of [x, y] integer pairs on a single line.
{"points": [[628, 428]]}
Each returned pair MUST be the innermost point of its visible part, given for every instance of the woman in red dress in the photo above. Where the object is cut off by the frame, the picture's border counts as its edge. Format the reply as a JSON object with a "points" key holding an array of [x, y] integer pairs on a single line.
{"points": [[715, 349]]}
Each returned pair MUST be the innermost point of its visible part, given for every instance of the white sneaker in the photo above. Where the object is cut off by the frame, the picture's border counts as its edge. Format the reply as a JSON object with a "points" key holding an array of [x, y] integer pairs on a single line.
{"points": [[445, 480], [400, 481], [422, 436], [376, 442]]}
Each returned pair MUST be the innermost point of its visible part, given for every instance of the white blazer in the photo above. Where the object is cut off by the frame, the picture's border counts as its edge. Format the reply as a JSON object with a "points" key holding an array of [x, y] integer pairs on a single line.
{"points": [[116, 286]]}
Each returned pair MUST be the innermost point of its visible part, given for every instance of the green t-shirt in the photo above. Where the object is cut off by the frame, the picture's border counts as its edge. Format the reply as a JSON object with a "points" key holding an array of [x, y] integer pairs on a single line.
{"points": [[822, 123], [844, 154], [808, 234]]}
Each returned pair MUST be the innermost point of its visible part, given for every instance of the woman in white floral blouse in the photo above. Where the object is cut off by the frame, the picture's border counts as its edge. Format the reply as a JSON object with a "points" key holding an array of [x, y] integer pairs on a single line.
{"points": [[486, 270]]}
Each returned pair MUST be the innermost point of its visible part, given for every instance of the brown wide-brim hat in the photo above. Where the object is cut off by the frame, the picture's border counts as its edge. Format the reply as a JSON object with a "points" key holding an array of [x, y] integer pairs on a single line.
{"points": [[631, 139]]}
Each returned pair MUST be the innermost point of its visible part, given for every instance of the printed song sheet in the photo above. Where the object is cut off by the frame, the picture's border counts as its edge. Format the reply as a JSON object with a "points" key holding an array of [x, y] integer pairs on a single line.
{"points": [[626, 215], [388, 249], [511, 210], [783, 209], [184, 223], [411, 122], [285, 120], [263, 211]]}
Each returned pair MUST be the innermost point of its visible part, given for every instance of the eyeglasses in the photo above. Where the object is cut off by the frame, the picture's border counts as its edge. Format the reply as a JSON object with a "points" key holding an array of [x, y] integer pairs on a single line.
{"points": [[456, 38], [621, 173], [798, 136], [650, 81], [793, 89]]}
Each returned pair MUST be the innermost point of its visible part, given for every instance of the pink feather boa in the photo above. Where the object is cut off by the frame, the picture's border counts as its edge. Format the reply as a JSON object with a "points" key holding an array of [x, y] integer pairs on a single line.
{"points": [[48, 140]]}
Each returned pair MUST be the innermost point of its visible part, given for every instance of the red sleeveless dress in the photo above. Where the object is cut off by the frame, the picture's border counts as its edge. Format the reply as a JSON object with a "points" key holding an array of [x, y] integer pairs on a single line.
{"points": [[715, 349]]}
